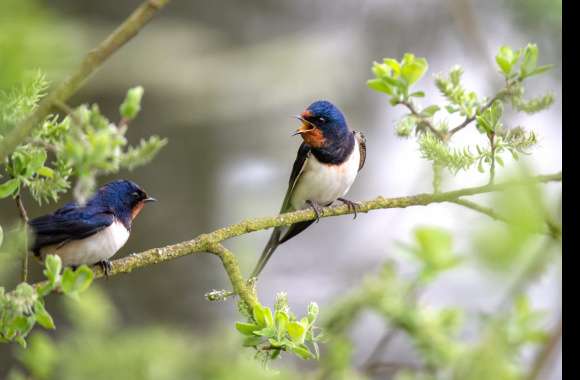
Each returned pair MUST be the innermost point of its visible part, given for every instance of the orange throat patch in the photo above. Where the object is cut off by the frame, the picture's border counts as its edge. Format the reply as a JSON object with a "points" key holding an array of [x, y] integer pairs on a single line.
{"points": [[313, 137], [137, 209]]}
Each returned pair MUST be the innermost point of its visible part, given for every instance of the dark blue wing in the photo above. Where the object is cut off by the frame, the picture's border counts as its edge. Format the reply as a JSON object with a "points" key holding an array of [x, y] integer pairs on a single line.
{"points": [[299, 163], [69, 223], [276, 238]]}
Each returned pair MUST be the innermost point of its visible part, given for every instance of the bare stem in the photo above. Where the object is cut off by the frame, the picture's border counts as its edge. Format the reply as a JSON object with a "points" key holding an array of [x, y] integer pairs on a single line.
{"points": [[469, 120], [24, 218], [546, 353], [423, 120], [491, 137]]}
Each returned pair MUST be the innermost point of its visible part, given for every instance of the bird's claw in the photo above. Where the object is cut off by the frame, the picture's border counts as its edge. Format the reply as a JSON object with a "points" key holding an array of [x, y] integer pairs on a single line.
{"points": [[317, 209], [106, 266], [352, 205]]}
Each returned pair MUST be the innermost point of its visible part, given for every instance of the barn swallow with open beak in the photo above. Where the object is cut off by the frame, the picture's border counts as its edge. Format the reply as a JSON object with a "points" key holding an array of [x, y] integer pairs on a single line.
{"points": [[326, 166], [93, 233]]}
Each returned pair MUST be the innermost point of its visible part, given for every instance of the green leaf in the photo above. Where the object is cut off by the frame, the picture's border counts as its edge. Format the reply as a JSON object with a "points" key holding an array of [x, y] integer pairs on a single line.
{"points": [[259, 312], [430, 111], [413, 69], [435, 247], [499, 160], [313, 311], [281, 323], [451, 109], [45, 171], [418, 94], [530, 60], [394, 65], [42, 317], [268, 317], [9, 187], [506, 58], [397, 83], [268, 332], [540, 69], [303, 352], [74, 282], [252, 341], [132, 103], [296, 331], [489, 120], [380, 86], [52, 265], [381, 70], [36, 161], [246, 328]]}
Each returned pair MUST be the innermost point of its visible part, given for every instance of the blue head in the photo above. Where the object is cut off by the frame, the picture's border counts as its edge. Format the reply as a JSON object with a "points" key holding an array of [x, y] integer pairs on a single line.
{"points": [[124, 197], [323, 125]]}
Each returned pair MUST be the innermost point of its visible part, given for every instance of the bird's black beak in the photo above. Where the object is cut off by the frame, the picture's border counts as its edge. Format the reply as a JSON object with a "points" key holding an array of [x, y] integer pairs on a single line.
{"points": [[149, 199]]}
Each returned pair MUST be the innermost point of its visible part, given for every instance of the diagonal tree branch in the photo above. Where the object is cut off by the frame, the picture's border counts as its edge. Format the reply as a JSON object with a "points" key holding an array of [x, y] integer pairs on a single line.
{"points": [[92, 61], [211, 242]]}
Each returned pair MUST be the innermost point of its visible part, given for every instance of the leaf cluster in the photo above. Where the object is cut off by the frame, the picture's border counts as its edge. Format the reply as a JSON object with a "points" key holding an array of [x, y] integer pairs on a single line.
{"points": [[273, 332], [434, 134], [84, 144], [23, 307]]}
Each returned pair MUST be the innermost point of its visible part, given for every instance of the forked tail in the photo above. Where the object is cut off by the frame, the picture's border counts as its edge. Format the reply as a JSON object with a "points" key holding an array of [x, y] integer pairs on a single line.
{"points": [[268, 251]]}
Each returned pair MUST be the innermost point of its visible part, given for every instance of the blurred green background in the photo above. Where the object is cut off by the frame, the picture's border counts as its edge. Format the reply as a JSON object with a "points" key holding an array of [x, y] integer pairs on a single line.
{"points": [[221, 81]]}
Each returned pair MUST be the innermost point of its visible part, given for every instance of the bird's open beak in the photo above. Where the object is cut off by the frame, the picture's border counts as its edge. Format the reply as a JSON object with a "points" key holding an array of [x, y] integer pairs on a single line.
{"points": [[305, 127], [149, 199]]}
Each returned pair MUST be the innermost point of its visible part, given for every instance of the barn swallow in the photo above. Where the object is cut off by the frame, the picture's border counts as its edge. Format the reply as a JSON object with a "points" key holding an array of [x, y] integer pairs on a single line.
{"points": [[93, 233], [326, 166]]}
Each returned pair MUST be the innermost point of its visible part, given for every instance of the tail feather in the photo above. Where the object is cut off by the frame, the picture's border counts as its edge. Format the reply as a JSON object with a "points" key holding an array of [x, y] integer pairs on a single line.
{"points": [[268, 251]]}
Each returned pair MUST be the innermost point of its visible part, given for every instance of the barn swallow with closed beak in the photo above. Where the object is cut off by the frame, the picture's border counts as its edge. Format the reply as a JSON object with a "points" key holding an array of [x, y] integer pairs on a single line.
{"points": [[325, 168], [93, 233]]}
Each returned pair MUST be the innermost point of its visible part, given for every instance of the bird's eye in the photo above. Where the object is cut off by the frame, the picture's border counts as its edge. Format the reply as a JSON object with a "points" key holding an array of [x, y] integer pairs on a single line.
{"points": [[135, 194], [322, 120]]}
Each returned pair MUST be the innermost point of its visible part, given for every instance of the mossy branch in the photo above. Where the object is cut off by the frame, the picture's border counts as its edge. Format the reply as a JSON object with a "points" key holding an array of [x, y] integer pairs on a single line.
{"points": [[92, 61], [211, 242]]}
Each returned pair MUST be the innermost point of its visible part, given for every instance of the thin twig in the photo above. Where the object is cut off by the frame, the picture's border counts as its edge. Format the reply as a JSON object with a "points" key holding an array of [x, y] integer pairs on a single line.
{"points": [[546, 353], [526, 275], [479, 208], [379, 349], [491, 137], [469, 120], [554, 230], [92, 61], [374, 358], [24, 219], [423, 120]]}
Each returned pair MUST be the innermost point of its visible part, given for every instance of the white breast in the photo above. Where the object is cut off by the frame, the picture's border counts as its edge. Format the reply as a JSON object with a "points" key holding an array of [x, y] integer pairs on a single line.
{"points": [[100, 246], [324, 183]]}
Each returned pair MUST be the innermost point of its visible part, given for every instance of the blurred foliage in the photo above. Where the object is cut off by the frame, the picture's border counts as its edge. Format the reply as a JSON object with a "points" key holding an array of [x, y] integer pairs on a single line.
{"points": [[438, 335], [97, 346], [31, 38]]}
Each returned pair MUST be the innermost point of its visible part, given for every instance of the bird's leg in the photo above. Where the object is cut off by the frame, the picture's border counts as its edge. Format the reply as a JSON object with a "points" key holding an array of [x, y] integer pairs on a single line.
{"points": [[316, 207], [352, 205], [106, 266]]}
